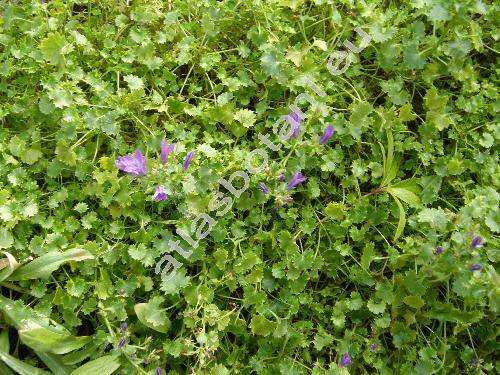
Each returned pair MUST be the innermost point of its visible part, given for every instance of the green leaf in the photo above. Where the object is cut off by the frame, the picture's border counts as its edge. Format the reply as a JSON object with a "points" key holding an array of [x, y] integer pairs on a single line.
{"points": [[368, 255], [406, 114], [430, 188], [414, 301], [335, 210], [402, 335], [6, 238], [4, 341], [46, 340], [448, 313], [435, 217], [78, 356], [31, 156], [54, 47], [245, 117], [152, 315], [402, 219], [376, 308], [5, 348], [43, 266], [19, 366], [102, 366], [134, 82], [22, 316], [261, 326], [54, 363], [389, 163], [7, 265], [412, 57], [66, 154], [405, 195]]}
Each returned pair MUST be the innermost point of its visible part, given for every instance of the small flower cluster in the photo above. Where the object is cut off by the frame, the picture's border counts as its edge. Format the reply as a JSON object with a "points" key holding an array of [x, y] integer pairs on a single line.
{"points": [[123, 341], [136, 165], [475, 243], [298, 178]]}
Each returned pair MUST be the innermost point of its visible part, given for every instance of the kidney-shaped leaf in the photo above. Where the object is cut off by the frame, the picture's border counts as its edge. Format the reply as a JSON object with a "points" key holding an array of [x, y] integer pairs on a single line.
{"points": [[152, 316]]}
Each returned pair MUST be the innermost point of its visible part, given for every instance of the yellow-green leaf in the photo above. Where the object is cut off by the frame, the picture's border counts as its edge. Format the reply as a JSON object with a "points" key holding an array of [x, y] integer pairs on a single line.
{"points": [[414, 301], [101, 366], [47, 340]]}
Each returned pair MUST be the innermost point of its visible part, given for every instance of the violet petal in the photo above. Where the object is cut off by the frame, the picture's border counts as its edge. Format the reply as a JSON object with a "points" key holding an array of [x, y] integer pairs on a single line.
{"points": [[160, 194], [327, 134]]}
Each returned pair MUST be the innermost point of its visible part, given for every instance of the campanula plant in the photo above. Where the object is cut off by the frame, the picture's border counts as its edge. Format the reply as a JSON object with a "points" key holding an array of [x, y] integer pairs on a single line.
{"points": [[249, 187]]}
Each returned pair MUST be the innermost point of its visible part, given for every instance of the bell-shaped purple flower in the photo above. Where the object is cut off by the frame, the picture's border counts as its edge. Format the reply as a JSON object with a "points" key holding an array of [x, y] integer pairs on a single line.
{"points": [[327, 134], [374, 347], [297, 179], [121, 343], [165, 150], [124, 326], [133, 165], [475, 267], [188, 159], [158, 371], [281, 178], [346, 360], [439, 250], [294, 120], [263, 188], [160, 194], [476, 241]]}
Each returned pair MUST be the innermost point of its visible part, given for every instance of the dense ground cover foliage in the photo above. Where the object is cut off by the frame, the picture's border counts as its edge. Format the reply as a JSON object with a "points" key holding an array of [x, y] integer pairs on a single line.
{"points": [[382, 261]]}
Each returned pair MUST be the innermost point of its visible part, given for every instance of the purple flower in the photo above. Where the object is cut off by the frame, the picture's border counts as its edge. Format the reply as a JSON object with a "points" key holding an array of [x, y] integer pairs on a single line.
{"points": [[475, 267], [439, 250], [124, 326], [133, 165], [121, 292], [158, 371], [294, 120], [297, 179], [327, 134], [476, 242], [346, 360], [121, 343], [146, 361], [188, 159], [374, 347], [160, 194], [134, 355], [165, 150], [281, 178], [473, 361], [263, 187]]}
